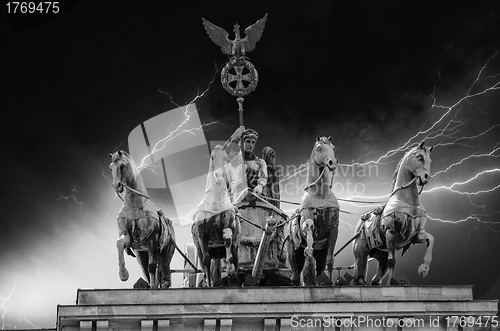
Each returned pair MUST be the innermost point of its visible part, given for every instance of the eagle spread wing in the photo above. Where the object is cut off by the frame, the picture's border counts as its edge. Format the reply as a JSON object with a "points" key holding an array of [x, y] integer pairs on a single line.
{"points": [[253, 34], [219, 36]]}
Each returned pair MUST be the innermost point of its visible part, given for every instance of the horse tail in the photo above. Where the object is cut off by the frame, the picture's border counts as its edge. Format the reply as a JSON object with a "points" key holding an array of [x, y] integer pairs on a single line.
{"points": [[166, 230], [166, 246]]}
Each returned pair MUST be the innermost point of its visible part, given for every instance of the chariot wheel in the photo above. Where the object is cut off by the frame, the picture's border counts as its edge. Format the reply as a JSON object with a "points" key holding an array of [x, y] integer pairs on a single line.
{"points": [[189, 279]]}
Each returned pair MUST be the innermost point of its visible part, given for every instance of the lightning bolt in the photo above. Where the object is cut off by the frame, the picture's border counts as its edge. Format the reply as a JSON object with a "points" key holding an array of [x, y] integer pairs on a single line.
{"points": [[103, 171], [179, 130], [475, 217], [22, 313], [457, 140], [292, 173], [4, 307], [445, 126], [490, 154], [175, 132], [72, 196], [427, 133], [451, 187]]}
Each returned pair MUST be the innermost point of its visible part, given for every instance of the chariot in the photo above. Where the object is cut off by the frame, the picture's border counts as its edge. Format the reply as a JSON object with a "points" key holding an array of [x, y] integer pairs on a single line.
{"points": [[263, 245], [258, 252], [261, 255]]}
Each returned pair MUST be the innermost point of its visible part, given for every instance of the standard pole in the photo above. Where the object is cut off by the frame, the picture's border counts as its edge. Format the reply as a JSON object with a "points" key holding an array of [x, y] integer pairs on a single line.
{"points": [[240, 109], [243, 175]]}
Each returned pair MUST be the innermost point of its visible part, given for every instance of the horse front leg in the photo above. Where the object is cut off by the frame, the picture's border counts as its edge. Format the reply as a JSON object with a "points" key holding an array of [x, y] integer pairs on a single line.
{"points": [[122, 243], [293, 244], [332, 240], [307, 228], [423, 236], [391, 236], [292, 259], [309, 269]]}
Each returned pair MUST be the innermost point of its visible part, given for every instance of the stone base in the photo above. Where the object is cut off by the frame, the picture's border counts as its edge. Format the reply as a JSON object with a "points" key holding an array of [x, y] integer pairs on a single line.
{"points": [[274, 308]]}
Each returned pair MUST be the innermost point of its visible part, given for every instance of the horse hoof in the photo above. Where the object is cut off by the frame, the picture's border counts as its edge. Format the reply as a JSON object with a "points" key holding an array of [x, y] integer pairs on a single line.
{"points": [[123, 275], [359, 282], [230, 269], [232, 280], [423, 270]]}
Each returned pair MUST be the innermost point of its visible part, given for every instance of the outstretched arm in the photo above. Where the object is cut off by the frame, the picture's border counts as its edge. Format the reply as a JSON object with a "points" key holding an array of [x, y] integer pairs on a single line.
{"points": [[235, 138]]}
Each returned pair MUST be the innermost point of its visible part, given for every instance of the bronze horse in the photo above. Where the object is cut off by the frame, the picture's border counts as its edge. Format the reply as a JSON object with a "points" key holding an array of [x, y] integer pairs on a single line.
{"points": [[314, 232], [144, 231], [216, 229], [398, 224]]}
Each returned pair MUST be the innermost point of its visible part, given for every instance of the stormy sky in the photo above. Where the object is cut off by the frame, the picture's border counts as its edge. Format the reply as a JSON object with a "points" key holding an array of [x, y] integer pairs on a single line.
{"points": [[378, 76]]}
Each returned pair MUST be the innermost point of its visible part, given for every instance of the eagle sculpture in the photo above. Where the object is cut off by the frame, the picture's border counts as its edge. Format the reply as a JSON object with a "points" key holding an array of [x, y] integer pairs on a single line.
{"points": [[237, 47]]}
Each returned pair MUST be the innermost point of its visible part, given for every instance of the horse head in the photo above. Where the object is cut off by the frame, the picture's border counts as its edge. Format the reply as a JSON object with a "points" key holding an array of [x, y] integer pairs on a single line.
{"points": [[117, 166], [218, 163], [324, 153], [418, 162]]}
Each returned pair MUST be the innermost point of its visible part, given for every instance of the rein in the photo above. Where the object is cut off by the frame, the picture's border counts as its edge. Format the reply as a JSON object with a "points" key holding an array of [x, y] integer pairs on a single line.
{"points": [[118, 195], [359, 201], [405, 186], [135, 191], [131, 190], [358, 233], [274, 208], [250, 222], [346, 200], [210, 186], [319, 177]]}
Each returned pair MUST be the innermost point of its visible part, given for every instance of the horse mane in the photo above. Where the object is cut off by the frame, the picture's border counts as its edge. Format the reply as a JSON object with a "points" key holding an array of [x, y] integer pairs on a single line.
{"points": [[211, 166], [398, 166], [216, 148], [323, 140], [309, 170], [132, 171]]}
